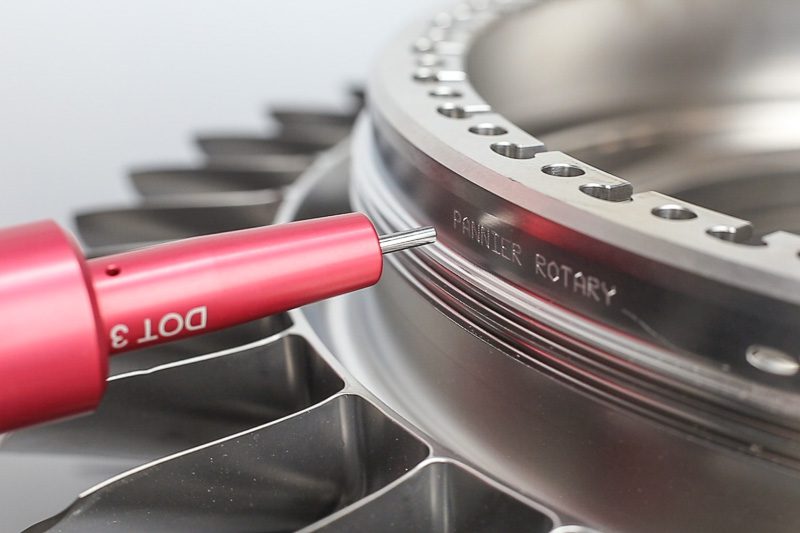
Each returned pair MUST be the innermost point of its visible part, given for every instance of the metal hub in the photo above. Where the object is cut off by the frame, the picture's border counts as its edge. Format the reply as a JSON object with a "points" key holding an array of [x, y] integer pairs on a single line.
{"points": [[577, 353]]}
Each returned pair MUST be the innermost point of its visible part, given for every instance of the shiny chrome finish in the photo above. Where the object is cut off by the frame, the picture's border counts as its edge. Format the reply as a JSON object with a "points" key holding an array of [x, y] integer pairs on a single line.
{"points": [[485, 384], [261, 162], [321, 126], [403, 240], [599, 313], [156, 410], [276, 477], [330, 457], [428, 112], [406, 506], [177, 182], [233, 145], [162, 221]]}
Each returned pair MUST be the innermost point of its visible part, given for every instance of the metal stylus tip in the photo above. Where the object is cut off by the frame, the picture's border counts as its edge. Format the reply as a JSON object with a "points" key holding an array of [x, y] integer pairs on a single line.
{"points": [[403, 240]]}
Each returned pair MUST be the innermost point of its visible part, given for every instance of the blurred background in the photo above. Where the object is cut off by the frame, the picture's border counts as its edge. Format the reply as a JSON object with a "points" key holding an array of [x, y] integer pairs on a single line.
{"points": [[90, 88]]}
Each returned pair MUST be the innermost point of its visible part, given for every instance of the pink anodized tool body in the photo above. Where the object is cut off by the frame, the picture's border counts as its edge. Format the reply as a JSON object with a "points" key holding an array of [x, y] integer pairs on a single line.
{"points": [[62, 315]]}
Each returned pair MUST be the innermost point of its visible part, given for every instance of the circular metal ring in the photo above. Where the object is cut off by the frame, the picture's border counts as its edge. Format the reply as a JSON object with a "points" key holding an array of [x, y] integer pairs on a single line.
{"points": [[662, 297]]}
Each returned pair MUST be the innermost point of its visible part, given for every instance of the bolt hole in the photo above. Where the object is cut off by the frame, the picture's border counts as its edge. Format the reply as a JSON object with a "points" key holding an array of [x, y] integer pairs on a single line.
{"points": [[725, 233], [488, 129], [423, 44], [610, 193], [738, 235], [674, 212], [563, 170], [514, 150], [772, 360], [425, 74], [452, 110], [445, 92], [113, 270]]}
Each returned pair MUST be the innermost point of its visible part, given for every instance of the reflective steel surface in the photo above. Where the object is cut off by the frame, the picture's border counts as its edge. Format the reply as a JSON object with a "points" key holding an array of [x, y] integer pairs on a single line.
{"points": [[182, 442], [603, 338]]}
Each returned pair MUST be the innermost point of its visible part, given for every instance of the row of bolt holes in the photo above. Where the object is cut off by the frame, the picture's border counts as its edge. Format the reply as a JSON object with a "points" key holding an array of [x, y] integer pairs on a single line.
{"points": [[764, 358], [564, 170]]}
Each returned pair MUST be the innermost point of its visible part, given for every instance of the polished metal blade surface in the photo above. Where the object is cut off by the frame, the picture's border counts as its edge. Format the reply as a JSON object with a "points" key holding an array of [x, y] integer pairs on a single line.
{"points": [[172, 181]]}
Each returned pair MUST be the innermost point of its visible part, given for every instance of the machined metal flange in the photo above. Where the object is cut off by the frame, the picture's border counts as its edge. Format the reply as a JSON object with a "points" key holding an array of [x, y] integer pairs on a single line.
{"points": [[705, 286]]}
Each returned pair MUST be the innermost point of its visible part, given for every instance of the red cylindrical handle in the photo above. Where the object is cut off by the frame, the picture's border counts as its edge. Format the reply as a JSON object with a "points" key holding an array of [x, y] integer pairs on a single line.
{"points": [[61, 315], [179, 289], [53, 361]]}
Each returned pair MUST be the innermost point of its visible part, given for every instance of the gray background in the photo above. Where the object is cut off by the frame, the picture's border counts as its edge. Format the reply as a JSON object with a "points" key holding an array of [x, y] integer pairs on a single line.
{"points": [[90, 88]]}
